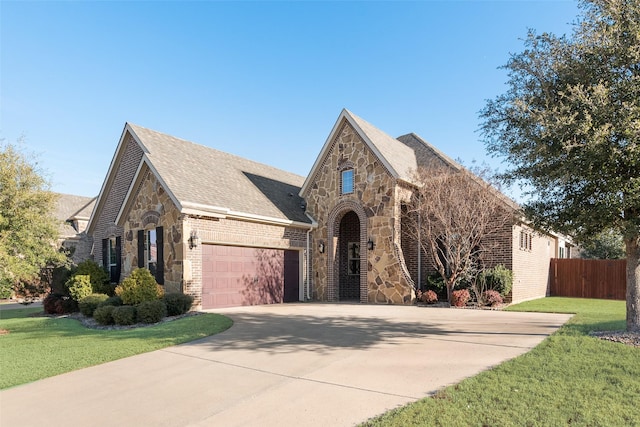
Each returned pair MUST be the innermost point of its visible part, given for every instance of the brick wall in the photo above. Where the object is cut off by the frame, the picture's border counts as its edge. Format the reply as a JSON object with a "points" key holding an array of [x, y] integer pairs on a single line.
{"points": [[114, 195], [531, 265], [236, 233]]}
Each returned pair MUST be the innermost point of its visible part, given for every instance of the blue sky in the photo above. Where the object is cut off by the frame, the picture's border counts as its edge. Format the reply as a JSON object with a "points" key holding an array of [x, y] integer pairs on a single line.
{"points": [[263, 80]]}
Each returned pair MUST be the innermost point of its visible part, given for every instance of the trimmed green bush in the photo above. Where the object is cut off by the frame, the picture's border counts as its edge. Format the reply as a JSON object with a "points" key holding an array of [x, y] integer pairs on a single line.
{"points": [[151, 311], [124, 315], [89, 303], [177, 303], [498, 278], [104, 314], [115, 301], [98, 277], [140, 286], [79, 286]]}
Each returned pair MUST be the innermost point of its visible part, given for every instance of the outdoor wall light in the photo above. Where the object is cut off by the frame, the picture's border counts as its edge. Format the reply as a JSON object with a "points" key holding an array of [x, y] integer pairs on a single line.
{"points": [[370, 244], [321, 247], [194, 240]]}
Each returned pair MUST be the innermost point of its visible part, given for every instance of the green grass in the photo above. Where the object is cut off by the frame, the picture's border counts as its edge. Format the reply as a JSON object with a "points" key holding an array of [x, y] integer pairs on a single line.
{"points": [[569, 379], [40, 347]]}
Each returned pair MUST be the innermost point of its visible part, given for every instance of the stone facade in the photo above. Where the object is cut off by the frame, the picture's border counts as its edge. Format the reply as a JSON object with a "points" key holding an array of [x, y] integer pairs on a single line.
{"points": [[152, 207], [383, 277]]}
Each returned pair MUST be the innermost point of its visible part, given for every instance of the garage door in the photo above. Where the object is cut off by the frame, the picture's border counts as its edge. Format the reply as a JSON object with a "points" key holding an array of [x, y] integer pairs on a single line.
{"points": [[234, 276]]}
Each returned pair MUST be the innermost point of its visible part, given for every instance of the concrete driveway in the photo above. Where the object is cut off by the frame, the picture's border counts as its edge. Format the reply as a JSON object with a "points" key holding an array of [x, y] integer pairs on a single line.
{"points": [[285, 365]]}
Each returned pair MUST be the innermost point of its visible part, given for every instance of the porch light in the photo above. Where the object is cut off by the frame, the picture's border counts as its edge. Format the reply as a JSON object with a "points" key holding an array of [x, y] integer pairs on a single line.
{"points": [[370, 244], [194, 240], [321, 247]]}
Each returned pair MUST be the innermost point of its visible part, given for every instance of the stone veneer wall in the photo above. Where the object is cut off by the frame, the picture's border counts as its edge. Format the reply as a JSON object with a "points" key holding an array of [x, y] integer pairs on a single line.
{"points": [[235, 232], [152, 208], [374, 201]]}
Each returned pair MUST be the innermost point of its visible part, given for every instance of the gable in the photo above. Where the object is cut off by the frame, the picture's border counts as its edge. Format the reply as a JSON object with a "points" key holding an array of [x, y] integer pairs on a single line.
{"points": [[122, 170], [397, 158], [199, 180]]}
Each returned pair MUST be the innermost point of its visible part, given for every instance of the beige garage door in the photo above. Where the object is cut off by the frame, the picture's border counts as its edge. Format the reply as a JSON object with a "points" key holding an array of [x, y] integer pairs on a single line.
{"points": [[234, 276]]}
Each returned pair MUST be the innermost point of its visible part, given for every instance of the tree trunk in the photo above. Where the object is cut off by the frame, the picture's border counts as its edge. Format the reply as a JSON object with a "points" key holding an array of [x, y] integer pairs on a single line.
{"points": [[633, 278]]}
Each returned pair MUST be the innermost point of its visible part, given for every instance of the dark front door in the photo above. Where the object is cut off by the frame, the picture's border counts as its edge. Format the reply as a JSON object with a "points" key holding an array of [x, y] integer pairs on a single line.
{"points": [[291, 276], [349, 255]]}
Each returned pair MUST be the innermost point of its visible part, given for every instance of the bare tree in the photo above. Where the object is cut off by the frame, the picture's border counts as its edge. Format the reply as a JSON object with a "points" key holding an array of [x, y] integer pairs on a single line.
{"points": [[457, 217]]}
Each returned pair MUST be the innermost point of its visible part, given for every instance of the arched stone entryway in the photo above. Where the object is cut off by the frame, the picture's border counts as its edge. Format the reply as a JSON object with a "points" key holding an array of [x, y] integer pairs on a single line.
{"points": [[347, 253]]}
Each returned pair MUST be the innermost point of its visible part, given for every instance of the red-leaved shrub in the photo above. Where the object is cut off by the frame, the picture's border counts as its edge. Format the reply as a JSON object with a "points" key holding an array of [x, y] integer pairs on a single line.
{"points": [[492, 298], [460, 297]]}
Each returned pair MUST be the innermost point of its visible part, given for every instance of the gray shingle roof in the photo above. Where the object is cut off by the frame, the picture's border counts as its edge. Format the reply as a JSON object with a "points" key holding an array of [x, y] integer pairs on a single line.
{"points": [[199, 175], [69, 207], [400, 157]]}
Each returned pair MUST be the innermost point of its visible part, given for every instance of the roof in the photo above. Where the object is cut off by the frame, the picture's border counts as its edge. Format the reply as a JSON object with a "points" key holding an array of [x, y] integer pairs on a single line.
{"points": [[398, 158], [203, 180], [72, 207]]}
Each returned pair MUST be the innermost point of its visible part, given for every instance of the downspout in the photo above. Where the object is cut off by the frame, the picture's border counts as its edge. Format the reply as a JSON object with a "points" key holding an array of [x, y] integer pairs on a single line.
{"points": [[419, 254], [308, 296]]}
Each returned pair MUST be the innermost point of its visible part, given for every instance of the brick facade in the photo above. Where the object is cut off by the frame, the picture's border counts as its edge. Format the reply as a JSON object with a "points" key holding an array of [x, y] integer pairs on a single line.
{"points": [[116, 191], [234, 232]]}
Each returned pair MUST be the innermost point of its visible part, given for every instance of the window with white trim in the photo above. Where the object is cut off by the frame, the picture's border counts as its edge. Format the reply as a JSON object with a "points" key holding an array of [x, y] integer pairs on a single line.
{"points": [[526, 240], [347, 181]]}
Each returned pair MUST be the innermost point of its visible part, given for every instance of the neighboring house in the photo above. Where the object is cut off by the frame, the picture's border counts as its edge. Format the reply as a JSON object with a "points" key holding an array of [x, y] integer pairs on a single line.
{"points": [[230, 231], [73, 213]]}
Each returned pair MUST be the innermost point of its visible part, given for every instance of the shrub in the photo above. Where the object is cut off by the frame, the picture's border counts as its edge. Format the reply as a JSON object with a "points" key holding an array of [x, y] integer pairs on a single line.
{"points": [[98, 277], [139, 287], [177, 303], [79, 286], [6, 289], [498, 278], [460, 298], [435, 282], [492, 298], [104, 314], [429, 296], [115, 301], [151, 311], [124, 315], [89, 303], [59, 304]]}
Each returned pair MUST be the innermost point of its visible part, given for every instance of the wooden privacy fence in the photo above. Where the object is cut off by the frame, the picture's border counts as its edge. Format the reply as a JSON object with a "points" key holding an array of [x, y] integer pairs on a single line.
{"points": [[589, 278]]}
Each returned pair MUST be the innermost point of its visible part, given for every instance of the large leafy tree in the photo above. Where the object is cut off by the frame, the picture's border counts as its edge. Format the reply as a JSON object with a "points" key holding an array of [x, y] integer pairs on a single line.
{"points": [[569, 126], [28, 230]]}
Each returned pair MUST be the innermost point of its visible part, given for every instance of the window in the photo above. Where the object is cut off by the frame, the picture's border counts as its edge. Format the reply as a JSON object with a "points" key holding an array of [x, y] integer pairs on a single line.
{"points": [[561, 252], [354, 258], [347, 181], [526, 240], [111, 259], [151, 250]]}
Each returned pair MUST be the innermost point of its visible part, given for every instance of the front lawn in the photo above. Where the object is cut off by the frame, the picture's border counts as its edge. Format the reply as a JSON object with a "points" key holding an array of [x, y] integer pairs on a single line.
{"points": [[571, 378], [33, 348]]}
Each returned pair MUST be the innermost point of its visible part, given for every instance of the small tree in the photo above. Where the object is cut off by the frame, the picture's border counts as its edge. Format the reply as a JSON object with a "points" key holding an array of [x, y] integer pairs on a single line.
{"points": [[28, 230], [456, 216]]}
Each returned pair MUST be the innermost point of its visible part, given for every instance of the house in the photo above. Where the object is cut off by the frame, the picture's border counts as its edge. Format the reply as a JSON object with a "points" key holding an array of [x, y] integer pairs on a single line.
{"points": [[231, 231], [73, 213]]}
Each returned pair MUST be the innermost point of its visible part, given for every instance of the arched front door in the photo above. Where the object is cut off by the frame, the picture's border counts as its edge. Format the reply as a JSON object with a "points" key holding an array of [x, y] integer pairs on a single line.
{"points": [[349, 252]]}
